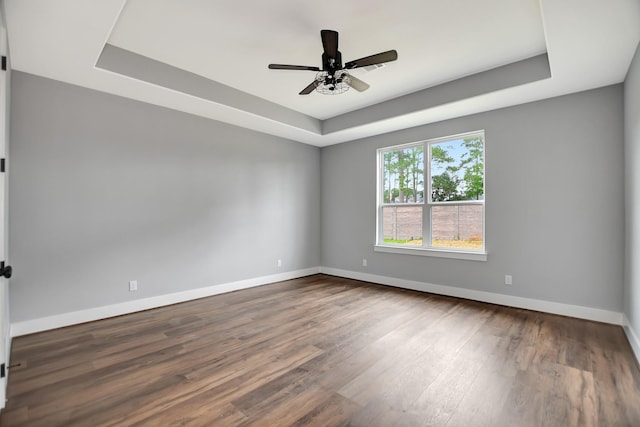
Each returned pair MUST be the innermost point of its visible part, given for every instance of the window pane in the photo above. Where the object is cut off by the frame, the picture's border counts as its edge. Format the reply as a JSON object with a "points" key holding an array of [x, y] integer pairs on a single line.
{"points": [[457, 226], [402, 225], [457, 169], [403, 175]]}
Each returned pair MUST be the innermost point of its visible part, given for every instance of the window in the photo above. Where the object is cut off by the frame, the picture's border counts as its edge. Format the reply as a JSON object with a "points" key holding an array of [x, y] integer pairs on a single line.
{"points": [[431, 197]]}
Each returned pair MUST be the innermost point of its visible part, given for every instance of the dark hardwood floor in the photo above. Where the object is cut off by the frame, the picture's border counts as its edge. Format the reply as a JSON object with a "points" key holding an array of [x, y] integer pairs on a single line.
{"points": [[326, 351]]}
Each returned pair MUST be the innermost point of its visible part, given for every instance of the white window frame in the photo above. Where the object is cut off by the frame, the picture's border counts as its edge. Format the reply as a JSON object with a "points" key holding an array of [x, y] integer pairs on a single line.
{"points": [[427, 205]]}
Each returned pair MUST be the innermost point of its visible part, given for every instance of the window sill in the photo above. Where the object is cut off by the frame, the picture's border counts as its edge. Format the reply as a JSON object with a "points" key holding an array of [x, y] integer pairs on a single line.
{"points": [[439, 253]]}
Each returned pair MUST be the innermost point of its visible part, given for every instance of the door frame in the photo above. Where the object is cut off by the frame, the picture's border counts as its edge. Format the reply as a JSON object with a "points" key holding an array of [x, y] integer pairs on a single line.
{"points": [[5, 330]]}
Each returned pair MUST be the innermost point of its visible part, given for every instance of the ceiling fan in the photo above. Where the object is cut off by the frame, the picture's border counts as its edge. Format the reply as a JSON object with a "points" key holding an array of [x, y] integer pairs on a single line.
{"points": [[334, 78]]}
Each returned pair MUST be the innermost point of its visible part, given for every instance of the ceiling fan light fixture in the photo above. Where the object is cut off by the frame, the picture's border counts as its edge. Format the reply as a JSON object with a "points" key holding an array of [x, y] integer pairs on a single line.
{"points": [[333, 78], [332, 84]]}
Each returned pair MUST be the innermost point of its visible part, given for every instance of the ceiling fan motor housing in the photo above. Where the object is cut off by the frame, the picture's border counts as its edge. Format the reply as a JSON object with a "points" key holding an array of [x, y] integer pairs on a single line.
{"points": [[331, 65]]}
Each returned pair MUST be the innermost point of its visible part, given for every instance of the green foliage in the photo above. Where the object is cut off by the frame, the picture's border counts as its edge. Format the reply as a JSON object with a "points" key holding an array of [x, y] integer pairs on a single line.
{"points": [[462, 181], [403, 175], [439, 155], [402, 241], [461, 178], [394, 194], [415, 160], [444, 187], [473, 164]]}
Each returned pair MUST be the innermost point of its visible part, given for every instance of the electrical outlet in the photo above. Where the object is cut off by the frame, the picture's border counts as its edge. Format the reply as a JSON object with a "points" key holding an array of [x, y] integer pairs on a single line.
{"points": [[508, 279], [364, 262], [279, 263], [133, 285]]}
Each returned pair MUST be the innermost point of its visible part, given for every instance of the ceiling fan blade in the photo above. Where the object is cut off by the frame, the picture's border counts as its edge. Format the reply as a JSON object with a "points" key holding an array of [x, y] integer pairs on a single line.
{"points": [[330, 43], [378, 58], [357, 84], [307, 90], [292, 67]]}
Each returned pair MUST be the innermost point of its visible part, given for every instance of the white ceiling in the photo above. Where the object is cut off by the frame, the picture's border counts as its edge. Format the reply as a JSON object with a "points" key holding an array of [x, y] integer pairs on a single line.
{"points": [[224, 42], [590, 43]]}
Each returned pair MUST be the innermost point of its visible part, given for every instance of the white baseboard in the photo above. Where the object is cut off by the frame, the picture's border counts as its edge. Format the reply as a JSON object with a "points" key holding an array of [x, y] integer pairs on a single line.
{"points": [[73, 318], [632, 337], [577, 311], [97, 313]]}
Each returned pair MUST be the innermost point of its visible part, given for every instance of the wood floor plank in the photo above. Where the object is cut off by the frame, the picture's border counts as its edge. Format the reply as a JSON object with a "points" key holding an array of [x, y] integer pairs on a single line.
{"points": [[326, 351], [332, 410]]}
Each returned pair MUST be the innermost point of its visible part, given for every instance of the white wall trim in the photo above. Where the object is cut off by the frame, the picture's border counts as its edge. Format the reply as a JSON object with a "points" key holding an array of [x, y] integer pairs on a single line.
{"points": [[72, 318], [438, 253], [632, 337], [577, 311], [97, 313]]}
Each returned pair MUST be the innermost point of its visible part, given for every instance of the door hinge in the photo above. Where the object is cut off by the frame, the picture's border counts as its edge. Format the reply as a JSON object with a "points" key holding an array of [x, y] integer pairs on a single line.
{"points": [[5, 271], [4, 63], [3, 166], [3, 370]]}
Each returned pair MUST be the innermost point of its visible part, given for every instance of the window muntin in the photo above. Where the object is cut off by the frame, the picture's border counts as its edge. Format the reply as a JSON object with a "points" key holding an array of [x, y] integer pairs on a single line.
{"points": [[451, 216]]}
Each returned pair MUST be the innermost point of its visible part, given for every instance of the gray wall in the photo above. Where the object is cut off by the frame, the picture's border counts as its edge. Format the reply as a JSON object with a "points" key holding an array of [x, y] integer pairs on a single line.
{"points": [[632, 193], [554, 210], [104, 190]]}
